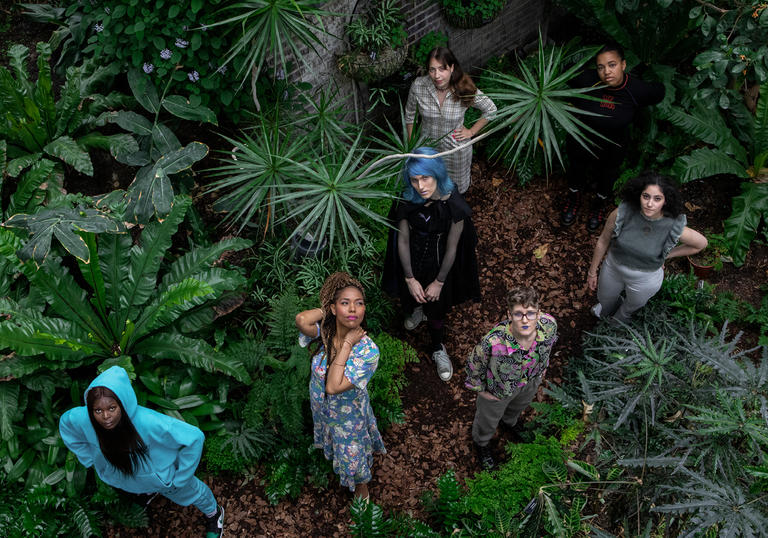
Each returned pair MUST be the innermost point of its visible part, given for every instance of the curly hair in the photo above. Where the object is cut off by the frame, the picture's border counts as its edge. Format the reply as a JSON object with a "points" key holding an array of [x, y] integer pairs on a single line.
{"points": [[523, 296], [611, 46], [463, 85], [328, 295], [673, 203]]}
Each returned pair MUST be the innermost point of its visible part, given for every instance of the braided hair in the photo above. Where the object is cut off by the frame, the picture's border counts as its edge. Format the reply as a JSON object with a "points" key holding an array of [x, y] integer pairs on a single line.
{"points": [[328, 295]]}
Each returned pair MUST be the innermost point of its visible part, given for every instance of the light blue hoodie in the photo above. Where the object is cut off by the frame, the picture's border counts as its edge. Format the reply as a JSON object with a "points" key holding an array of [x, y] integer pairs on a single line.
{"points": [[174, 447]]}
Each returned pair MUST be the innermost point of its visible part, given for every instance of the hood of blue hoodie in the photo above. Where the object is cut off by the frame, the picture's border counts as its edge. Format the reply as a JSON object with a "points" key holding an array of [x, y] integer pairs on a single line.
{"points": [[116, 379]]}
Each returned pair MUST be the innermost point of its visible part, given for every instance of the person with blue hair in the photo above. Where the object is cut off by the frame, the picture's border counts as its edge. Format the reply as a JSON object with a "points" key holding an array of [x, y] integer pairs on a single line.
{"points": [[431, 262]]}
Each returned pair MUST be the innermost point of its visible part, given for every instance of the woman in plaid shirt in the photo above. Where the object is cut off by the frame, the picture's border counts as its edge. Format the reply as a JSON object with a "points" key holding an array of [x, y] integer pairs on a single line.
{"points": [[441, 98]]}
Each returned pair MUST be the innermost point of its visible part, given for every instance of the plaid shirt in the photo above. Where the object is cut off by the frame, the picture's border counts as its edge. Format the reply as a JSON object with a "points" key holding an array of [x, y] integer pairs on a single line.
{"points": [[498, 364], [438, 123]]}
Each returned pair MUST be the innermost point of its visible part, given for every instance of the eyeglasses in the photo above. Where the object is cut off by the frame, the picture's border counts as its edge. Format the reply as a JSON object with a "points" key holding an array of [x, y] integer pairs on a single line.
{"points": [[531, 314]]}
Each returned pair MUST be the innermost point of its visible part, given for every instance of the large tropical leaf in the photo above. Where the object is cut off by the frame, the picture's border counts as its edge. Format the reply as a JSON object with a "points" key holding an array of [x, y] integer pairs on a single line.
{"points": [[194, 352], [171, 303], [181, 108], [747, 210], [144, 90], [56, 338], [151, 192], [141, 281], [132, 122], [9, 403], [200, 258], [66, 149], [28, 193], [761, 122], [63, 223], [706, 162], [707, 124], [117, 144]]}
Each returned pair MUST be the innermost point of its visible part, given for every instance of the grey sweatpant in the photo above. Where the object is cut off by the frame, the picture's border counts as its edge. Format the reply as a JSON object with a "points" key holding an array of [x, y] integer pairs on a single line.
{"points": [[488, 413], [639, 287]]}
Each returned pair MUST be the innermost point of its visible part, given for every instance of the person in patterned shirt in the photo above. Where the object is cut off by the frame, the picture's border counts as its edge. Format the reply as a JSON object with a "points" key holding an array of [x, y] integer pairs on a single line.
{"points": [[441, 98], [507, 367]]}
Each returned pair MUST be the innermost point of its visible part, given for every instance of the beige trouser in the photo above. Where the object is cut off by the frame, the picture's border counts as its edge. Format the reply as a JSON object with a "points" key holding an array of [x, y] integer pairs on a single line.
{"points": [[489, 413]]}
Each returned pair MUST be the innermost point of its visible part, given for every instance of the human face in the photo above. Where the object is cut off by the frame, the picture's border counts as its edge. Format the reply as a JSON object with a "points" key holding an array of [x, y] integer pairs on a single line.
{"points": [[610, 68], [652, 201], [349, 308], [424, 185], [440, 74], [523, 326], [107, 412]]}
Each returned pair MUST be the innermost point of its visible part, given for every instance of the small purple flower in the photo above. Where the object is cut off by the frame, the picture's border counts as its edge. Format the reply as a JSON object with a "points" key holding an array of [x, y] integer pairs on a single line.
{"points": [[148, 67], [373, 55], [204, 28], [181, 43], [194, 76], [185, 27], [98, 27], [222, 69], [107, 10], [166, 54], [280, 74]]}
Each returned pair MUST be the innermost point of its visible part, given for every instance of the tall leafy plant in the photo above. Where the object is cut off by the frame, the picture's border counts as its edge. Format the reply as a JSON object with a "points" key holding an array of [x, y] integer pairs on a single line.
{"points": [[116, 308], [737, 147], [159, 153], [538, 105], [45, 137]]}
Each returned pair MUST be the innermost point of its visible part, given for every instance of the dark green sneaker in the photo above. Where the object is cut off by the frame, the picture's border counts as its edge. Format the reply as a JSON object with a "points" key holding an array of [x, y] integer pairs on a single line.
{"points": [[214, 525]]}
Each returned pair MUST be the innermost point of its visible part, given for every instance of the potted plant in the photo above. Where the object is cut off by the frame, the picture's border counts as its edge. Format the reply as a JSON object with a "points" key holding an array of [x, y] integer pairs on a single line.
{"points": [[379, 43], [710, 259], [471, 13]]}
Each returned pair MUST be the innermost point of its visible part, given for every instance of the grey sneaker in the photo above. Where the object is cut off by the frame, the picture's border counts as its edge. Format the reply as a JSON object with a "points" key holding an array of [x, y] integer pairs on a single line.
{"points": [[415, 319], [443, 363]]}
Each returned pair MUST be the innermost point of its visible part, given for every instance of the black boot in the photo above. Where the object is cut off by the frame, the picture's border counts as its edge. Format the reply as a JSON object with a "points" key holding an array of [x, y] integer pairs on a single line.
{"points": [[571, 208], [485, 457], [597, 215]]}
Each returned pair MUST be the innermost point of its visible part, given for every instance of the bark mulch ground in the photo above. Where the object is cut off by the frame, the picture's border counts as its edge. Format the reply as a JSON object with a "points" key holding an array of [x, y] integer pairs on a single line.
{"points": [[521, 242]]}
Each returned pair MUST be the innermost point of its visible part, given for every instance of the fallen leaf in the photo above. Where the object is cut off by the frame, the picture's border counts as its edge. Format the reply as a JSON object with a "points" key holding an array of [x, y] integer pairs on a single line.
{"points": [[691, 207], [496, 182], [541, 251]]}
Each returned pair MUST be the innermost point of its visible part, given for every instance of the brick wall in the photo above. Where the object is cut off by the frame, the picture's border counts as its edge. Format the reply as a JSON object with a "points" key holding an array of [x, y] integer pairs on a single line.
{"points": [[517, 25]]}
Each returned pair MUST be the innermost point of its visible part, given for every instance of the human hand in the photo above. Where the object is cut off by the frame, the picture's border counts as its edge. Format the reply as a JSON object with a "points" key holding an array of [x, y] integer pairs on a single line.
{"points": [[354, 336], [592, 281], [417, 292], [488, 396], [432, 293], [462, 133]]}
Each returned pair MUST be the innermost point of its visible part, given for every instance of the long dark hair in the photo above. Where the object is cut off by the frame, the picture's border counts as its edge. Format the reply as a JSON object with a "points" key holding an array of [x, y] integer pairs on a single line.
{"points": [[329, 293], [463, 86], [673, 203], [122, 446]]}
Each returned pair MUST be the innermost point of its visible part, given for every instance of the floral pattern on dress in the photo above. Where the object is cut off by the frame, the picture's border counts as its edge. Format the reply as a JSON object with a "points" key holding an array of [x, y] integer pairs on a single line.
{"points": [[344, 424], [498, 365]]}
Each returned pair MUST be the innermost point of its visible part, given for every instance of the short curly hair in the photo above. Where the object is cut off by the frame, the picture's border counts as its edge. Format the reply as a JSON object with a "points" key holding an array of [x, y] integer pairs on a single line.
{"points": [[673, 203], [328, 295], [524, 296]]}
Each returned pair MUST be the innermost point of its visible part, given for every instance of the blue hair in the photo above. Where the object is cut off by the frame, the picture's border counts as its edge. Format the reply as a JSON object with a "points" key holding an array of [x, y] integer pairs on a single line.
{"points": [[415, 166]]}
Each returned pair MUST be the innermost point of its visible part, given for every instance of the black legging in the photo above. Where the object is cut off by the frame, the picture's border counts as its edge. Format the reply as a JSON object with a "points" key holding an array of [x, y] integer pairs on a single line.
{"points": [[598, 172]]}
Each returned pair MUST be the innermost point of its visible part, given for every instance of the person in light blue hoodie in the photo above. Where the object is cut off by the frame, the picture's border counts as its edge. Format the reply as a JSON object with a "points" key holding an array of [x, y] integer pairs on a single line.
{"points": [[139, 450]]}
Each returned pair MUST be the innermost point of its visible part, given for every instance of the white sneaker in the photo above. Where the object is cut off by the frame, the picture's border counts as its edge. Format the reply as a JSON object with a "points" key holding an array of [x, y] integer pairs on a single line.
{"points": [[597, 309], [443, 363], [415, 319]]}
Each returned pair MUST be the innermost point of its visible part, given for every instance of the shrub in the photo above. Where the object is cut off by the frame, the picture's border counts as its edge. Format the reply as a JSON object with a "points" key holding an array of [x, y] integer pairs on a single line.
{"points": [[389, 379]]}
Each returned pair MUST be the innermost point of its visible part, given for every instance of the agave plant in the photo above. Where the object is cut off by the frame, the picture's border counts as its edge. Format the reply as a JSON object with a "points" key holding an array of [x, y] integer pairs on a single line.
{"points": [[268, 30], [539, 103]]}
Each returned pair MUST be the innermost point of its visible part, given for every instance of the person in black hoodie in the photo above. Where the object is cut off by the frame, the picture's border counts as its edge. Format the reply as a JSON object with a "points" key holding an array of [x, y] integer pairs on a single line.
{"points": [[621, 96]]}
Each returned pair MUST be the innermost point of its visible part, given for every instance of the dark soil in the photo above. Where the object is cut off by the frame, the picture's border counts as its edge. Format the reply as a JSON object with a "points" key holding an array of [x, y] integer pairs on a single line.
{"points": [[512, 223]]}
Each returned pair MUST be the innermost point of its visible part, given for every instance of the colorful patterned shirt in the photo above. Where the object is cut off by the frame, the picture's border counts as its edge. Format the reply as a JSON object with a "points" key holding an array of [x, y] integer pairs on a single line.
{"points": [[498, 364]]}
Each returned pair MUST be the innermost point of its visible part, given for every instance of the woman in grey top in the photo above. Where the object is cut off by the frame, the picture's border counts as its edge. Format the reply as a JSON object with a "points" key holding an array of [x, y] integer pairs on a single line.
{"points": [[647, 228]]}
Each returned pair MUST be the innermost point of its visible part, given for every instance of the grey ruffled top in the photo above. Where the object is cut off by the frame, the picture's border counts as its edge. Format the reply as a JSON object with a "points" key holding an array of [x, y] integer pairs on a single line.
{"points": [[641, 243]]}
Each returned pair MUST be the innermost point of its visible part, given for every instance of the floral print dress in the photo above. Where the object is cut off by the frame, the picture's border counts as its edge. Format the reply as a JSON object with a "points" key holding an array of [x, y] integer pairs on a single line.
{"points": [[345, 427]]}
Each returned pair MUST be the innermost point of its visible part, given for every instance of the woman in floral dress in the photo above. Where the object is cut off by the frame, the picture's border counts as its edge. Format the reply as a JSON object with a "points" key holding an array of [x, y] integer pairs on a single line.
{"points": [[345, 427]]}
